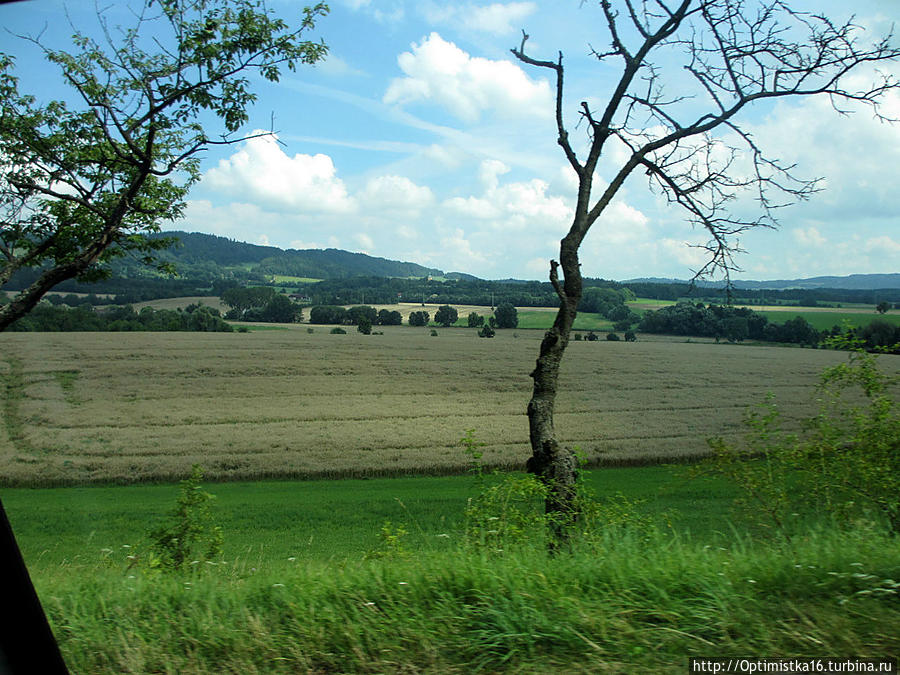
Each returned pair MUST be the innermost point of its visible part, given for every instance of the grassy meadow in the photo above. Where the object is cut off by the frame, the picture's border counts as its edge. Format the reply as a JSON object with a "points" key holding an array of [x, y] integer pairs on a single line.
{"points": [[84, 408]]}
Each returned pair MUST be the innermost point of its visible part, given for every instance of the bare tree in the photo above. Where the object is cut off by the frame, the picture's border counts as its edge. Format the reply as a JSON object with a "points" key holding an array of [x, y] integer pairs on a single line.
{"points": [[86, 180], [690, 146]]}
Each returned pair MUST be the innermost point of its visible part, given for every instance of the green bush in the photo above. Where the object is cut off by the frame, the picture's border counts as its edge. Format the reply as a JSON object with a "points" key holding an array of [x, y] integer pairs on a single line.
{"points": [[486, 331], [845, 462], [189, 536], [337, 330]]}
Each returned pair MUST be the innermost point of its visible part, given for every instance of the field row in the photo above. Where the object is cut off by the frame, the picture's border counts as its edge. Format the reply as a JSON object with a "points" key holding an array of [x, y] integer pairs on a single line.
{"points": [[98, 407]]}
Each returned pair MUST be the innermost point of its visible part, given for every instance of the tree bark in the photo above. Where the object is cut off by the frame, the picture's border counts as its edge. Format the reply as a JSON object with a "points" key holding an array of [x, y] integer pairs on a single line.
{"points": [[553, 463]]}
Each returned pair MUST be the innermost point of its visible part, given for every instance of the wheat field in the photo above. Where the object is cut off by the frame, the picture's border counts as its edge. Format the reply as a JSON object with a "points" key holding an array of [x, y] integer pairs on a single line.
{"points": [[131, 407]]}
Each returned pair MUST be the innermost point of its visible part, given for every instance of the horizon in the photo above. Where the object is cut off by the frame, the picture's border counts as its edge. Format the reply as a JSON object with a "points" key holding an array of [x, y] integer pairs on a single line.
{"points": [[452, 271]]}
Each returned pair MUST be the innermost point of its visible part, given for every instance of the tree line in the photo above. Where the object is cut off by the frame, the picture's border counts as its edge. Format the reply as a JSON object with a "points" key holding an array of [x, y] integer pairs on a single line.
{"points": [[49, 318], [736, 324]]}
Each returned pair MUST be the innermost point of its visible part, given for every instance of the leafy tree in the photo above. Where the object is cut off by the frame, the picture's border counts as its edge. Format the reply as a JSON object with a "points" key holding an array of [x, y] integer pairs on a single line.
{"points": [[327, 314], [446, 316], [630, 336], [87, 179], [486, 331], [389, 318], [360, 312], [475, 320], [364, 326], [419, 318], [728, 54], [506, 315], [242, 299], [281, 309], [882, 307]]}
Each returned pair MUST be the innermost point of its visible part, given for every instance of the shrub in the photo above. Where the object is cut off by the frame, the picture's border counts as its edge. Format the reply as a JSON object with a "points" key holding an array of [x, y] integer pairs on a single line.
{"points": [[612, 337], [486, 331], [630, 336], [419, 318], [337, 330], [190, 534], [845, 463]]}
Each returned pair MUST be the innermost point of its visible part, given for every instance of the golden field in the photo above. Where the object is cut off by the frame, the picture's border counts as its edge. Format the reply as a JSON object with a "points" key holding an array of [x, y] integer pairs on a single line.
{"points": [[130, 407]]}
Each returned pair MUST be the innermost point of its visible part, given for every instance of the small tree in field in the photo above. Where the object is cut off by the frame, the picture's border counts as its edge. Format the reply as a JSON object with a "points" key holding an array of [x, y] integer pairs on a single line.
{"points": [[419, 318], [726, 55], [506, 315], [87, 179], [446, 316]]}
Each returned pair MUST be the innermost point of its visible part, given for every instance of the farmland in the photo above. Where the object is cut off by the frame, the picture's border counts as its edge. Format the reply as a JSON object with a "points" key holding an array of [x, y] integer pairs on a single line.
{"points": [[293, 591], [123, 408]]}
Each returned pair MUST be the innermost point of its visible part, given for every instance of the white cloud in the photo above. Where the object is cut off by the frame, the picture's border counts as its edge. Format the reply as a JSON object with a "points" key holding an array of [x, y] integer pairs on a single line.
{"points": [[883, 245], [301, 245], [809, 237], [364, 241], [395, 193], [260, 171], [496, 19], [512, 206], [489, 173], [459, 252], [439, 71]]}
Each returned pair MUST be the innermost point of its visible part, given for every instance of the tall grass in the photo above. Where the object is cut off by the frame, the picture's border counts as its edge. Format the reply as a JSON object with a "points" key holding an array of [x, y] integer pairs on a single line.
{"points": [[634, 604]]}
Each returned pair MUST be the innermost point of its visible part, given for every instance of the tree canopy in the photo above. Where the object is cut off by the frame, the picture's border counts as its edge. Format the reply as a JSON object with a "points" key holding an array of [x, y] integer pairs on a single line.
{"points": [[88, 178]]}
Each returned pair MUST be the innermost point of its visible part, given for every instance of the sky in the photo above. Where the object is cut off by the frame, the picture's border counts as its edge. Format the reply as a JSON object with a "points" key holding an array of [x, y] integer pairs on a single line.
{"points": [[421, 138]]}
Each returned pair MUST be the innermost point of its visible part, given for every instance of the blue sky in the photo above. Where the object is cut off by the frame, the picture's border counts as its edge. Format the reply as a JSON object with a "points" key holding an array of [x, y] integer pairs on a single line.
{"points": [[422, 139]]}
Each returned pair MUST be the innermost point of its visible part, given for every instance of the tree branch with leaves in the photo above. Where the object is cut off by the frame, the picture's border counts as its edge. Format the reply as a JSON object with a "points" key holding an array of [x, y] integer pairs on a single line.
{"points": [[722, 56], [88, 179]]}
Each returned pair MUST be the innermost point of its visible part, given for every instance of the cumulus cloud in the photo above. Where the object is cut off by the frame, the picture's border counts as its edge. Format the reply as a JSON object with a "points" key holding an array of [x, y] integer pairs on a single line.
{"points": [[885, 245], [364, 242], [497, 18], [261, 172], [439, 71], [395, 193], [513, 205], [809, 237]]}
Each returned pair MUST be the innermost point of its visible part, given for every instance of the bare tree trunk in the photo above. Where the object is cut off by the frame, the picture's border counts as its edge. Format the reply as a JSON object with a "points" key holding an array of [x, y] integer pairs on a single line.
{"points": [[555, 464]]}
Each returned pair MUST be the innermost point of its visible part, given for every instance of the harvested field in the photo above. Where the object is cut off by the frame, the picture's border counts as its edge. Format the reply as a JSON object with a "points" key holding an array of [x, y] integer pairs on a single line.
{"points": [[130, 407]]}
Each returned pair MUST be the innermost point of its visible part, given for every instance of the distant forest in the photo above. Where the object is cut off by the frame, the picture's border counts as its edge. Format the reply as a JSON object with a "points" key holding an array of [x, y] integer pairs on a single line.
{"points": [[208, 266]]}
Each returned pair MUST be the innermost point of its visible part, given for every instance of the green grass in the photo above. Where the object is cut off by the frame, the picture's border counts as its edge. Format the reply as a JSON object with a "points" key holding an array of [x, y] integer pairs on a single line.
{"points": [[826, 320], [294, 592], [287, 279], [315, 520], [543, 320], [630, 605]]}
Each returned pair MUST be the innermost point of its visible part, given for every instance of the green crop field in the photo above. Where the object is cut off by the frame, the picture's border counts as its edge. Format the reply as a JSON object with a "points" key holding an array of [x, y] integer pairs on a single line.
{"points": [[135, 407], [825, 319]]}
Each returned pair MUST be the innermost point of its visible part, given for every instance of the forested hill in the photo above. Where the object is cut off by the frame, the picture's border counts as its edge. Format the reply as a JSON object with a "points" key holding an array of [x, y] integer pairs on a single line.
{"points": [[197, 255], [860, 282]]}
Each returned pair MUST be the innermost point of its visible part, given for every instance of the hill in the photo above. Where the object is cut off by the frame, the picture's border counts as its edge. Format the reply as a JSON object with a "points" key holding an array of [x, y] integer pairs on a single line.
{"points": [[867, 282], [196, 250]]}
